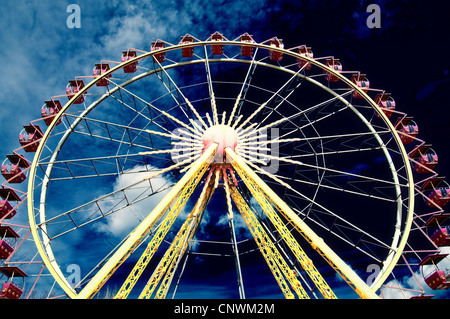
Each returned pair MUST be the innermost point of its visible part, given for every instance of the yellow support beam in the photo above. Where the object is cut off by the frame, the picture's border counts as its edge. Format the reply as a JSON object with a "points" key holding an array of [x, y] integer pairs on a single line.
{"points": [[168, 263], [138, 234], [158, 237], [268, 199], [275, 261]]}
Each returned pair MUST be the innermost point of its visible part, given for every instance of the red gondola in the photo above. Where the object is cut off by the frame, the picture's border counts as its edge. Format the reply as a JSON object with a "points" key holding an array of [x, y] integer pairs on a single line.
{"points": [[407, 129], [439, 197], [9, 289], [29, 137], [438, 278], [217, 49], [73, 88], [126, 56], [305, 51], [7, 210], [187, 52], [99, 70], [12, 171], [441, 236], [5, 249], [336, 66], [361, 82], [158, 45], [386, 103], [276, 55], [425, 157], [49, 111], [246, 50]]}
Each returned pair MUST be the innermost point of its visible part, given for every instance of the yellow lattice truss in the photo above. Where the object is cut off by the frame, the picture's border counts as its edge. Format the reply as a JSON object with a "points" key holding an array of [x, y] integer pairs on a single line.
{"points": [[269, 201], [173, 201], [169, 209], [275, 261], [167, 265]]}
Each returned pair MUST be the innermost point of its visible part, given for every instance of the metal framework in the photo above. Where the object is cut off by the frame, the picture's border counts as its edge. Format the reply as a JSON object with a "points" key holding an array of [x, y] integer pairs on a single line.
{"points": [[162, 141]]}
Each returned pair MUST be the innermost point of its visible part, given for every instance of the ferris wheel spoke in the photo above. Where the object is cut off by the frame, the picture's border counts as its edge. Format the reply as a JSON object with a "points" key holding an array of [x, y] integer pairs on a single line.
{"points": [[117, 133], [243, 92], [343, 173], [289, 118], [102, 166], [100, 208], [153, 107], [109, 130], [342, 233], [211, 90], [338, 217], [199, 118]]}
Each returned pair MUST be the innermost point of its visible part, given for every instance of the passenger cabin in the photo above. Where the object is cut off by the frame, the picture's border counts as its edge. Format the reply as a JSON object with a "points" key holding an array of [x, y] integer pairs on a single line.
{"points": [[437, 219], [437, 279], [217, 49], [98, 71], [438, 196], [9, 289], [361, 82], [29, 137], [246, 50], [441, 236], [407, 130], [49, 111], [127, 56], [386, 103], [335, 65], [12, 168], [188, 51], [73, 88], [7, 210], [426, 159], [8, 232], [306, 52], [158, 45], [5, 249], [273, 54]]}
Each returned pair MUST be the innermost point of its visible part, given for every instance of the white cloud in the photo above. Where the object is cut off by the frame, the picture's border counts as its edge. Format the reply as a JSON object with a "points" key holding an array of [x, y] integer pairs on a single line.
{"points": [[122, 222]]}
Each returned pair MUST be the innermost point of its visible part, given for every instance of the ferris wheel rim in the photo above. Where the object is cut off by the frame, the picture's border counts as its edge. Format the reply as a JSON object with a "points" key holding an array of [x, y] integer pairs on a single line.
{"points": [[205, 43]]}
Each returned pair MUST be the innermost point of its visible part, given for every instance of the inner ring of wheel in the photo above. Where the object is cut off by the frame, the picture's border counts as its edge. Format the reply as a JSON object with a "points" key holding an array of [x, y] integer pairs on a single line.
{"points": [[45, 249]]}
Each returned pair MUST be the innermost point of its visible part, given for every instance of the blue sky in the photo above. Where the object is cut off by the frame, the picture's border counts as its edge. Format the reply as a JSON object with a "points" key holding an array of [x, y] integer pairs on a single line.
{"points": [[407, 56]]}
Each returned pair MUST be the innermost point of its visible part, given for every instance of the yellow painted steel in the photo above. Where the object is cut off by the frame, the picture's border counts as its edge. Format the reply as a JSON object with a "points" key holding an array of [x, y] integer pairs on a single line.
{"points": [[275, 261], [168, 263], [284, 232], [158, 237], [268, 199], [137, 235]]}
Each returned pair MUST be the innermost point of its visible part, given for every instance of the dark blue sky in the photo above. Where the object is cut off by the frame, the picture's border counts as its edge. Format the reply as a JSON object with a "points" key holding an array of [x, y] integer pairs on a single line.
{"points": [[407, 56]]}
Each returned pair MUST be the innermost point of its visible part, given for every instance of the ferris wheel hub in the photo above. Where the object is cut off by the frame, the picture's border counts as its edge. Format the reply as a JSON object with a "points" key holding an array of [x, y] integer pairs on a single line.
{"points": [[224, 135]]}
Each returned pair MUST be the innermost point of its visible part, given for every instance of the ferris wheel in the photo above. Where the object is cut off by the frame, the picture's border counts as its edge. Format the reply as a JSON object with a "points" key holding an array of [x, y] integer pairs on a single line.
{"points": [[222, 165]]}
